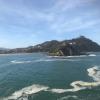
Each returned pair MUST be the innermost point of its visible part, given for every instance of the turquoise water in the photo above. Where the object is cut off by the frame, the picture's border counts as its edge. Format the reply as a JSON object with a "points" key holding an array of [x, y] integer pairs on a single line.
{"points": [[39, 77]]}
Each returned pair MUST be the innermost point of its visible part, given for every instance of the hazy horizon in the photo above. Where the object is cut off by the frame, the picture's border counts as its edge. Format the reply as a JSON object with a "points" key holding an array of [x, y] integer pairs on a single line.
{"points": [[29, 22]]}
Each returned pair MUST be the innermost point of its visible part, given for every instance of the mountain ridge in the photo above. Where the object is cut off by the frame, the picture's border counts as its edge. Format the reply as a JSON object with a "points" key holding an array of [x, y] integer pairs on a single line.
{"points": [[75, 46]]}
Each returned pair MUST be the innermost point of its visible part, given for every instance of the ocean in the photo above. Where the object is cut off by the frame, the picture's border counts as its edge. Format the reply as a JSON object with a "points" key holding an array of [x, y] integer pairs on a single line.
{"points": [[36, 76]]}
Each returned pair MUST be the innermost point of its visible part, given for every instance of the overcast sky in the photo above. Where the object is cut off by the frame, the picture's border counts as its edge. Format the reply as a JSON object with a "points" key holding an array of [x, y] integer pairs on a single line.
{"points": [[29, 22]]}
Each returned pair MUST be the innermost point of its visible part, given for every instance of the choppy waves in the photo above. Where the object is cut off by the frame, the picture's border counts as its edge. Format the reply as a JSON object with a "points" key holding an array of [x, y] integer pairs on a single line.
{"points": [[93, 72]]}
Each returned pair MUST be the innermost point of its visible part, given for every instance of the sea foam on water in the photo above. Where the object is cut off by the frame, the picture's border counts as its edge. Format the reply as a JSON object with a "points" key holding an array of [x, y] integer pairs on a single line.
{"points": [[26, 91], [93, 72]]}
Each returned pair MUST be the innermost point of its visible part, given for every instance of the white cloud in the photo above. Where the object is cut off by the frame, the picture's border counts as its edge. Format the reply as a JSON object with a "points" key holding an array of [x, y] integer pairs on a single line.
{"points": [[57, 20], [64, 16], [74, 25], [64, 5]]}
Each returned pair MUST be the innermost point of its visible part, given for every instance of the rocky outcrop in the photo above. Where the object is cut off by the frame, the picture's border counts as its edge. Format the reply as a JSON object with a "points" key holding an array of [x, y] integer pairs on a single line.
{"points": [[67, 49]]}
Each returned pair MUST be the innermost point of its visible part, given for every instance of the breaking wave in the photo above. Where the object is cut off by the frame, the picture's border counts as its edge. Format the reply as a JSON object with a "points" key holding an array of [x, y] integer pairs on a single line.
{"points": [[23, 93], [93, 72]]}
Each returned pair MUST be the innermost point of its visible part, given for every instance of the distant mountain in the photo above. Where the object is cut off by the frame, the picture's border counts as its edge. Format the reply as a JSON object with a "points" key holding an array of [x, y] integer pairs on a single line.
{"points": [[74, 46], [3, 48]]}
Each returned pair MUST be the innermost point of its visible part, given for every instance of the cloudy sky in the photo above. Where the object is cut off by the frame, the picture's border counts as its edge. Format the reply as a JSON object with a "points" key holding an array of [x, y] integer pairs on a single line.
{"points": [[29, 22]]}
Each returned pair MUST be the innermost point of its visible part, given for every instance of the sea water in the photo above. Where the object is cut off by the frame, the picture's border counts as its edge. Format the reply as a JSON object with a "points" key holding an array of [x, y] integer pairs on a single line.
{"points": [[37, 76]]}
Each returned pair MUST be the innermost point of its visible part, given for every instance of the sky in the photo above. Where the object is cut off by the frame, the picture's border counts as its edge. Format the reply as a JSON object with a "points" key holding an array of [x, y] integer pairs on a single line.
{"points": [[29, 22]]}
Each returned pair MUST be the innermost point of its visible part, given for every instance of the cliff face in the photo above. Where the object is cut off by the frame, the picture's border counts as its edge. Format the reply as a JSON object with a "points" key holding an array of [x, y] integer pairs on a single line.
{"points": [[75, 46], [70, 49], [67, 49]]}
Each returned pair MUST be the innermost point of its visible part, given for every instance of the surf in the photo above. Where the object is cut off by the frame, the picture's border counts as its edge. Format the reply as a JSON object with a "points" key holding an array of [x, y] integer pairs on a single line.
{"points": [[24, 92], [93, 72]]}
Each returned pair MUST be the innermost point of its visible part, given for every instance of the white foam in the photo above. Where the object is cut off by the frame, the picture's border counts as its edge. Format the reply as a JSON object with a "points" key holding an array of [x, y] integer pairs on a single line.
{"points": [[77, 85], [77, 56], [20, 62], [74, 89], [26, 91], [92, 55], [66, 57], [93, 72]]}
